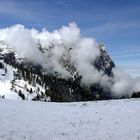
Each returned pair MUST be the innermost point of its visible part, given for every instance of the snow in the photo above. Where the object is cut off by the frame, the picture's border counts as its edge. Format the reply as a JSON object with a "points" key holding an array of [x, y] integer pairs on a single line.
{"points": [[20, 85], [6, 89], [102, 120], [5, 83]]}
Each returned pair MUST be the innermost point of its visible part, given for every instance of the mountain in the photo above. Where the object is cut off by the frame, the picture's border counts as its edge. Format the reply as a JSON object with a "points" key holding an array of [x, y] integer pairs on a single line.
{"points": [[30, 81]]}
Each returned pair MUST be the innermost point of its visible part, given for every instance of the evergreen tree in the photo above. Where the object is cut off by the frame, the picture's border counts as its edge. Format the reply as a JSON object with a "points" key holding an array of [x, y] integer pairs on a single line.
{"points": [[21, 95], [5, 70], [38, 89], [31, 91]]}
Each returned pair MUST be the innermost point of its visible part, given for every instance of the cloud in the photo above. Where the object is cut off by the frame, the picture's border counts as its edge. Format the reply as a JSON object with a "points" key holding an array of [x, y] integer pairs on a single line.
{"points": [[132, 69], [8, 7], [112, 27], [11, 7], [18, 9], [122, 83], [20, 39], [65, 52], [126, 54]]}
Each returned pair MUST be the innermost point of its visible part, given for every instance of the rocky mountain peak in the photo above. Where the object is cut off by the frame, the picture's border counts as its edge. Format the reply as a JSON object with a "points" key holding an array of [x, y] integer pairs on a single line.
{"points": [[53, 85]]}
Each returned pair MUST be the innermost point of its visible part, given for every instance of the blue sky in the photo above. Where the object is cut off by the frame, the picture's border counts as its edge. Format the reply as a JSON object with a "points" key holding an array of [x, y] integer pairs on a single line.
{"points": [[116, 23]]}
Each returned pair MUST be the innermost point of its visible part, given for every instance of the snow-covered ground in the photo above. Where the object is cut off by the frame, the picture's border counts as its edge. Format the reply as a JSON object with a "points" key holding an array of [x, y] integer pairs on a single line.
{"points": [[5, 83], [6, 89], [102, 120]]}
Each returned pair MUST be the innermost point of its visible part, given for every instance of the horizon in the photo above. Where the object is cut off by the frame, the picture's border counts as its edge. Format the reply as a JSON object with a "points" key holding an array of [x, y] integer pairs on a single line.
{"points": [[115, 24]]}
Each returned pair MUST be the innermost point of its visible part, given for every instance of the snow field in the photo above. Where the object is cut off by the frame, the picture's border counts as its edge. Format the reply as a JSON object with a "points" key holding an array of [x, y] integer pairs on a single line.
{"points": [[102, 120]]}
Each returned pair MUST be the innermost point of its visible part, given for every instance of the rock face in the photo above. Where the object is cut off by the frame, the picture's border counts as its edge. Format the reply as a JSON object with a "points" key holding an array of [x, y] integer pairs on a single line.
{"points": [[55, 87], [104, 62]]}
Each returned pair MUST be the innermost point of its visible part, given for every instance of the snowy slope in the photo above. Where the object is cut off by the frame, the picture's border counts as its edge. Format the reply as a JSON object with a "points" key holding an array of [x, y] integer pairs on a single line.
{"points": [[10, 85], [103, 120], [5, 83]]}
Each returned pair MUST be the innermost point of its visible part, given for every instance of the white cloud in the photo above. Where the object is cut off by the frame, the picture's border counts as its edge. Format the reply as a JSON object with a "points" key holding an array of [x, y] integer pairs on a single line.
{"points": [[66, 44]]}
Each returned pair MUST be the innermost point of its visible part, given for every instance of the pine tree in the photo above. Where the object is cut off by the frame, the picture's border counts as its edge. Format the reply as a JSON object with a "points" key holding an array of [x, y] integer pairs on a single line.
{"points": [[5, 70], [21, 95], [38, 89], [15, 90], [31, 91]]}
